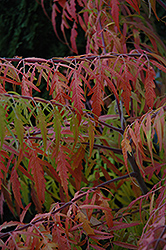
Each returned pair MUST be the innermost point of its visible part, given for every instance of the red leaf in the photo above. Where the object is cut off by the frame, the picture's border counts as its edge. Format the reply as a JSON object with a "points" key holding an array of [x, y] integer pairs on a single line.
{"points": [[77, 96], [73, 9], [53, 18], [62, 168], [16, 186], [97, 101], [115, 12], [59, 236], [22, 215], [73, 38], [158, 65], [126, 94], [38, 175], [2, 90], [125, 245], [111, 85], [149, 87], [134, 4], [81, 22]]}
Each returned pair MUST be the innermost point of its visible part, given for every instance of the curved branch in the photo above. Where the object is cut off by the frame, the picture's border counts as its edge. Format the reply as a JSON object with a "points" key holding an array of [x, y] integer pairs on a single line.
{"points": [[3, 235]]}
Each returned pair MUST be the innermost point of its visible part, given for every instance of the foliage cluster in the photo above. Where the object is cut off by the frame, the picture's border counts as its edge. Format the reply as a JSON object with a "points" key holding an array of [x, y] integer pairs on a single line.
{"points": [[91, 158]]}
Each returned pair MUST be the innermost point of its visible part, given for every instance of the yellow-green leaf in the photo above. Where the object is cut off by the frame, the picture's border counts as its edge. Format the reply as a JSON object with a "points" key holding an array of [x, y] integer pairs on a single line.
{"points": [[43, 127]]}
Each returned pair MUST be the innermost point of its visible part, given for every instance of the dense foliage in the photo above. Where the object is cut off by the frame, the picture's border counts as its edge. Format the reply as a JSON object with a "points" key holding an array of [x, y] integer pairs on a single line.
{"points": [[90, 159]]}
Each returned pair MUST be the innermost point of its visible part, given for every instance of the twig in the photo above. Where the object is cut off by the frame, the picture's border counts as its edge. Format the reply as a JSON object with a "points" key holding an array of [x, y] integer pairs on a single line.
{"points": [[115, 150], [76, 58], [3, 235]]}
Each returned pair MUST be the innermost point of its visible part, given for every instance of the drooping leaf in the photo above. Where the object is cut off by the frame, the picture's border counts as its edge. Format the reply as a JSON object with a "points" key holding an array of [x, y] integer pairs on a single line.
{"points": [[2, 125], [125, 245], [38, 175], [115, 12], [73, 38], [149, 87], [134, 4], [43, 127], [107, 211], [148, 132], [77, 95], [91, 138], [85, 223], [57, 130], [19, 128], [126, 148], [16, 187], [97, 98], [62, 168]]}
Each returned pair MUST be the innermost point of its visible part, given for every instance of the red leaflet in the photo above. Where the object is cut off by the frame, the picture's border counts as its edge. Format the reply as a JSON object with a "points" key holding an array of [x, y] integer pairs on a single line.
{"points": [[134, 4], [125, 245], [115, 12], [97, 97], [149, 87], [77, 95], [73, 38], [38, 175], [2, 90], [62, 168], [16, 186]]}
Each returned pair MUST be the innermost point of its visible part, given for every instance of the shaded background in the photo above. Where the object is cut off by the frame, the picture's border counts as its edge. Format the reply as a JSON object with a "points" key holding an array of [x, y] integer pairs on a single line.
{"points": [[26, 31]]}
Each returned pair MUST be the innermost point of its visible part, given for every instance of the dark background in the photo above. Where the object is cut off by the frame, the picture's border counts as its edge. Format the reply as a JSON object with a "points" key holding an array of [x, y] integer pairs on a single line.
{"points": [[26, 31]]}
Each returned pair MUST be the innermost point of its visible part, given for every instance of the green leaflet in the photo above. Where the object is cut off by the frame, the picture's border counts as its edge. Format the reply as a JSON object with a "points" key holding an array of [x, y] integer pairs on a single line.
{"points": [[74, 128], [43, 127], [57, 129], [91, 137], [2, 125], [19, 128]]}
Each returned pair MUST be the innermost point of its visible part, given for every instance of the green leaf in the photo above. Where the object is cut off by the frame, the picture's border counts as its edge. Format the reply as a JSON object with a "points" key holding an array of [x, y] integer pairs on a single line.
{"points": [[2, 125], [43, 127], [57, 130], [19, 128]]}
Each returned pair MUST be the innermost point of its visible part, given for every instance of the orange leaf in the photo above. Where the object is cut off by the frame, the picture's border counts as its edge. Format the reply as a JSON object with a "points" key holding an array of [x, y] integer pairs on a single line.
{"points": [[126, 148], [85, 223], [153, 5], [107, 211]]}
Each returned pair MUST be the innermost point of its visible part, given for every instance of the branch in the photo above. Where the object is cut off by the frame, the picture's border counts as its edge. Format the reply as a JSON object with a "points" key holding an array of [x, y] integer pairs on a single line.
{"points": [[3, 235], [119, 130], [139, 177], [76, 58], [115, 150]]}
